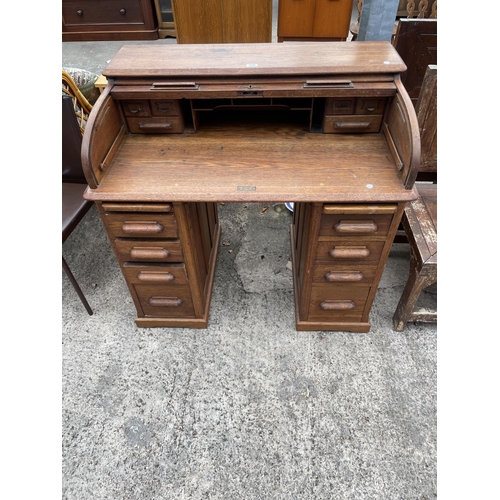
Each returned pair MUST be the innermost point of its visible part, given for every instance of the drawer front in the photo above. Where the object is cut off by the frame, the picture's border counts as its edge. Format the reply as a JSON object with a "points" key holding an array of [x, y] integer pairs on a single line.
{"points": [[355, 225], [156, 125], [369, 105], [340, 106], [136, 108], [80, 13], [349, 251], [349, 124], [342, 303], [165, 107], [343, 274], [149, 251], [165, 301], [148, 274], [141, 225]]}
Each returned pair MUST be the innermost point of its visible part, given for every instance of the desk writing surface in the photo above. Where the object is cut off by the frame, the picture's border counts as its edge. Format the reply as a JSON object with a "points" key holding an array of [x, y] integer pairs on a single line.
{"points": [[263, 163]]}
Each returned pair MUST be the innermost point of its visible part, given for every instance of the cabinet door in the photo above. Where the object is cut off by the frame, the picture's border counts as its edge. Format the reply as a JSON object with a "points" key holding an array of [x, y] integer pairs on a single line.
{"points": [[332, 18], [198, 21], [247, 21], [296, 18]]}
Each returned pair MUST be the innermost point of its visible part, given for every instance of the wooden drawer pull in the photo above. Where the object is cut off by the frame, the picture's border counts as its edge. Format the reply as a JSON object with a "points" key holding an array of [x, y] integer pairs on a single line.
{"points": [[355, 226], [334, 276], [155, 277], [149, 126], [149, 253], [337, 305], [142, 227], [357, 125], [349, 252], [165, 301], [137, 207]]}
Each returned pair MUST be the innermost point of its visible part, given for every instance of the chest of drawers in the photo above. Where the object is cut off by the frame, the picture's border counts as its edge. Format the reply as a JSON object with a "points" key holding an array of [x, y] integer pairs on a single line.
{"points": [[179, 128]]}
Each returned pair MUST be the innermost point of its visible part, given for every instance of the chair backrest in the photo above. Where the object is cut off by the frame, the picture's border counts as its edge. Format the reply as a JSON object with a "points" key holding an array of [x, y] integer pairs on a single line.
{"points": [[71, 144]]}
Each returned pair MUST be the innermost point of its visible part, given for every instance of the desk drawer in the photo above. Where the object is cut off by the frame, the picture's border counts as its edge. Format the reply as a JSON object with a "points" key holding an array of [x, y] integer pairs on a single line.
{"points": [[165, 301], [149, 251], [349, 124], [357, 251], [156, 125], [334, 274], [343, 303], [102, 13], [165, 107], [141, 225], [136, 108], [155, 274], [355, 225]]}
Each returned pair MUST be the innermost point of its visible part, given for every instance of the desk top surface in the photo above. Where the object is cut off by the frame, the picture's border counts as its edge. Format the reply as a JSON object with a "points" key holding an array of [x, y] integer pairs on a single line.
{"points": [[262, 59], [245, 164]]}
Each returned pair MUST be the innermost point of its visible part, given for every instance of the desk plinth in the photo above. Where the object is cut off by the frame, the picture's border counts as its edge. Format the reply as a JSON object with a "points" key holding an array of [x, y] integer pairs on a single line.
{"points": [[328, 127]]}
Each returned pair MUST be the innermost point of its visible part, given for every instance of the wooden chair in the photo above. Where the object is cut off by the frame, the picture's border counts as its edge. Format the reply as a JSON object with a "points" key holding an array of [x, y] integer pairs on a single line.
{"points": [[74, 206], [406, 9], [420, 216]]}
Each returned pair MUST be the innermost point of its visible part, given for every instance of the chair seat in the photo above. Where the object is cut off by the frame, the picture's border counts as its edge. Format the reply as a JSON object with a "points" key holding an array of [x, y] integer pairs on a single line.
{"points": [[74, 207]]}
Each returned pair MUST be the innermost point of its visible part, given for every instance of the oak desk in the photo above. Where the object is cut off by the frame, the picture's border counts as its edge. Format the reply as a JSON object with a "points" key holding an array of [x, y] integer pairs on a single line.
{"points": [[179, 128]]}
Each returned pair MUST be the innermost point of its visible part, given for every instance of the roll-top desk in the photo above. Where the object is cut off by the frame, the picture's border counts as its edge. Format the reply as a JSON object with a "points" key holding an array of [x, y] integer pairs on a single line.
{"points": [[179, 128]]}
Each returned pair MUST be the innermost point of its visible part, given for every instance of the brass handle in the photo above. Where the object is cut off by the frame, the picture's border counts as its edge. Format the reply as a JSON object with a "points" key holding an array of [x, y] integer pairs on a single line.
{"points": [[165, 301], [155, 277], [337, 305], [149, 253], [146, 227], [355, 226], [333, 276], [354, 252]]}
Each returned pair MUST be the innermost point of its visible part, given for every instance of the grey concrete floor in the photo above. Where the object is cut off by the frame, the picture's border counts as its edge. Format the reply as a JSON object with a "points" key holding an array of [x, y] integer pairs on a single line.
{"points": [[248, 408]]}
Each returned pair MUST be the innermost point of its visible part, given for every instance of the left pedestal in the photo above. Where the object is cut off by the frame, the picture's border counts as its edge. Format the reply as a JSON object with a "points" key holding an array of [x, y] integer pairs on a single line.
{"points": [[167, 253]]}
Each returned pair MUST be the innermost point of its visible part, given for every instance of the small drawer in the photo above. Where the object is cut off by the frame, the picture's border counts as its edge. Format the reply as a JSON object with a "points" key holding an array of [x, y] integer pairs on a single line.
{"points": [[343, 303], [156, 125], [141, 225], [102, 13], [369, 106], [165, 301], [344, 274], [355, 225], [339, 106], [351, 124], [149, 251], [155, 274], [165, 107], [349, 251], [136, 108]]}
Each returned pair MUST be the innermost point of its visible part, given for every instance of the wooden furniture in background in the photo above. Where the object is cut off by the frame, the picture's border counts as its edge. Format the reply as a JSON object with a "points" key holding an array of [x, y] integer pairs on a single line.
{"points": [[165, 17], [425, 9], [223, 21], [306, 20], [420, 216], [89, 20], [328, 126]]}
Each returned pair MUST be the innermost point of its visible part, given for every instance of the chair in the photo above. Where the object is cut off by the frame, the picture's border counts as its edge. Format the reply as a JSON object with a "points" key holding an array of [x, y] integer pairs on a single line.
{"points": [[420, 216], [74, 206]]}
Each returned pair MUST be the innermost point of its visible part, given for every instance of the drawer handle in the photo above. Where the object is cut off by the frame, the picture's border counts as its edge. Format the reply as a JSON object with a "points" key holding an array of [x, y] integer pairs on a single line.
{"points": [[358, 125], [165, 301], [123, 11], [155, 277], [79, 13], [337, 305], [142, 227], [342, 84], [349, 252], [371, 109], [355, 226], [174, 86], [149, 126], [149, 253], [333, 276]]}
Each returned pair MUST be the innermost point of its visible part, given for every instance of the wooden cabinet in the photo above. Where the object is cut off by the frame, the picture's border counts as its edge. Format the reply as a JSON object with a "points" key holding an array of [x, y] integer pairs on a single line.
{"points": [[165, 17], [223, 21], [179, 128], [94, 20], [302, 20]]}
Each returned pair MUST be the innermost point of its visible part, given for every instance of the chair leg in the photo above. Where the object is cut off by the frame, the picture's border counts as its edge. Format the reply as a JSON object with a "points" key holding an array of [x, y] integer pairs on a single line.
{"points": [[417, 281], [76, 287]]}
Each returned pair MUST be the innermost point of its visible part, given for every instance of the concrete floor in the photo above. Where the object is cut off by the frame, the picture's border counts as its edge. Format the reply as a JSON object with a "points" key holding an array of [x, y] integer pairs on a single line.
{"points": [[249, 408]]}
